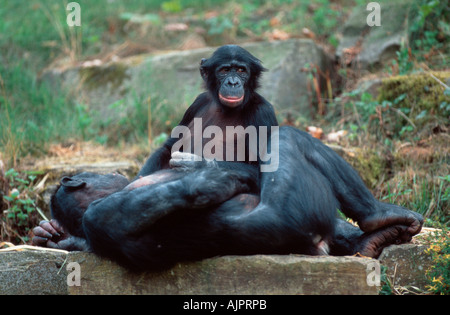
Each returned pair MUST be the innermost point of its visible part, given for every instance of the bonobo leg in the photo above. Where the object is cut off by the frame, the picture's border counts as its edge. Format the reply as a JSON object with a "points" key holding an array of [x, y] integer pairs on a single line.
{"points": [[116, 226], [296, 212], [355, 199]]}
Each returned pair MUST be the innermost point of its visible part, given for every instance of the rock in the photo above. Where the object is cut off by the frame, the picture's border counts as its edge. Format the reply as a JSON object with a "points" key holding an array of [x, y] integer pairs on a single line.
{"points": [[406, 265], [45, 272], [172, 80], [59, 170], [32, 272], [259, 274], [367, 47], [424, 90]]}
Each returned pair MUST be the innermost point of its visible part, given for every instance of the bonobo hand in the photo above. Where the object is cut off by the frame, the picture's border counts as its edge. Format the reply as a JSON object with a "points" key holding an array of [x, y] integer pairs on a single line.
{"points": [[185, 160], [48, 234], [51, 234]]}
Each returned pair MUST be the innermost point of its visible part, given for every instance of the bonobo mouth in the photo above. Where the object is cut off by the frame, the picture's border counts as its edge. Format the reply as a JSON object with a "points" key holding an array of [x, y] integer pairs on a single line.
{"points": [[231, 101]]}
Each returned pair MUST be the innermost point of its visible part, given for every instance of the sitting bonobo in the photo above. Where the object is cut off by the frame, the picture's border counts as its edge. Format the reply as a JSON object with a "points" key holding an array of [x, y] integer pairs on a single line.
{"points": [[195, 211]]}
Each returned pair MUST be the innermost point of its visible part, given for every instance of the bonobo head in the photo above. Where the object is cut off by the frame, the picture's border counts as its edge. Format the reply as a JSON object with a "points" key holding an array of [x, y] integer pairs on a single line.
{"points": [[76, 193], [231, 75]]}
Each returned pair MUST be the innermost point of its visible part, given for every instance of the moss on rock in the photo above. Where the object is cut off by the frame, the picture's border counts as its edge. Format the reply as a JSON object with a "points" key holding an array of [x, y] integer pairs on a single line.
{"points": [[422, 91]]}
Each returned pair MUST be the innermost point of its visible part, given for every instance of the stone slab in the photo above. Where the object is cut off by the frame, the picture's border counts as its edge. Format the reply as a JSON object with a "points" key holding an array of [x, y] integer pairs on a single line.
{"points": [[236, 275], [47, 272]]}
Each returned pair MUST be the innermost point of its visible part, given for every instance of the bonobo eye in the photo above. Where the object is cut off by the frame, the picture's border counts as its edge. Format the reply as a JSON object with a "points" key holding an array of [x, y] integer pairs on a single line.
{"points": [[242, 70], [224, 70]]}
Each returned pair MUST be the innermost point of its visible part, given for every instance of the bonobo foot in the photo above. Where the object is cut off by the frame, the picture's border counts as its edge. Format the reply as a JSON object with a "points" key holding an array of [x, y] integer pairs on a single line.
{"points": [[51, 234], [372, 244], [390, 215]]}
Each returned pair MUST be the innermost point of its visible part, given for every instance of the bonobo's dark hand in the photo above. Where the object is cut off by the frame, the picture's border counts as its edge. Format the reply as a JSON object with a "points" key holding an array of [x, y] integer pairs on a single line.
{"points": [[51, 234], [48, 234]]}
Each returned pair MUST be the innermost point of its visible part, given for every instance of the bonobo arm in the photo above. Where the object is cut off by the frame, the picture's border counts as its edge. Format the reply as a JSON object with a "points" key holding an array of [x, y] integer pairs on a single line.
{"points": [[160, 158]]}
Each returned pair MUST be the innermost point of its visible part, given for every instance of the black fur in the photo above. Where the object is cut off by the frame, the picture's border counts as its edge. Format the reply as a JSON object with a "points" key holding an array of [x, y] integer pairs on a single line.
{"points": [[211, 211]]}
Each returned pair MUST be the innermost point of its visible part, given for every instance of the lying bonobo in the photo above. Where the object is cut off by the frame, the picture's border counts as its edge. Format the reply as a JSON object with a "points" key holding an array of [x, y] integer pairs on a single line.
{"points": [[198, 210]]}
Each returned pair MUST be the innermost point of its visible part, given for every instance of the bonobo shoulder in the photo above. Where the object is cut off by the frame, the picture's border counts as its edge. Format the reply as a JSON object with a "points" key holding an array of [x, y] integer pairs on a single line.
{"points": [[202, 101], [263, 112]]}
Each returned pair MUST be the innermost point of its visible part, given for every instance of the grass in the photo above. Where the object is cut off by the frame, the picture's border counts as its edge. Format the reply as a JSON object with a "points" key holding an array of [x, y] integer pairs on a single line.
{"points": [[37, 115]]}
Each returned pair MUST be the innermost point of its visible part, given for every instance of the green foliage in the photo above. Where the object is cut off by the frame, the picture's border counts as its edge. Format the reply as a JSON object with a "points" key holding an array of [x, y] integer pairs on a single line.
{"points": [[37, 113], [219, 24], [429, 26], [20, 213], [392, 196], [403, 63], [386, 288], [325, 18], [173, 6], [438, 276]]}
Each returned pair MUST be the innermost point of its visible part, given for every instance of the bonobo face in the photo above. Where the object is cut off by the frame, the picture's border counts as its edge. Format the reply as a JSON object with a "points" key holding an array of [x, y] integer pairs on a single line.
{"points": [[232, 78], [231, 75]]}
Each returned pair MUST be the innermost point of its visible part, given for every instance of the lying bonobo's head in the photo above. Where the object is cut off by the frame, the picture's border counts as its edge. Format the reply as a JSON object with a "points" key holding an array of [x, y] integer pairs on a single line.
{"points": [[231, 75], [76, 193]]}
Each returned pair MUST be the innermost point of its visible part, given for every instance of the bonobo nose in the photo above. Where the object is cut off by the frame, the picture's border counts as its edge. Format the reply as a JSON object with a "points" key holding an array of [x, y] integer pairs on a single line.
{"points": [[233, 82]]}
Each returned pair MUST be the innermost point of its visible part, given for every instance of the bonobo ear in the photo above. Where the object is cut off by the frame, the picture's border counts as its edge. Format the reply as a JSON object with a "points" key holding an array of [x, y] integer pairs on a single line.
{"points": [[203, 71], [72, 183]]}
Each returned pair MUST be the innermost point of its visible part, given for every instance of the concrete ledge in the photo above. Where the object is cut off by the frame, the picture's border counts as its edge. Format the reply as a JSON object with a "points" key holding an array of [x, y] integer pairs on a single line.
{"points": [[45, 272]]}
